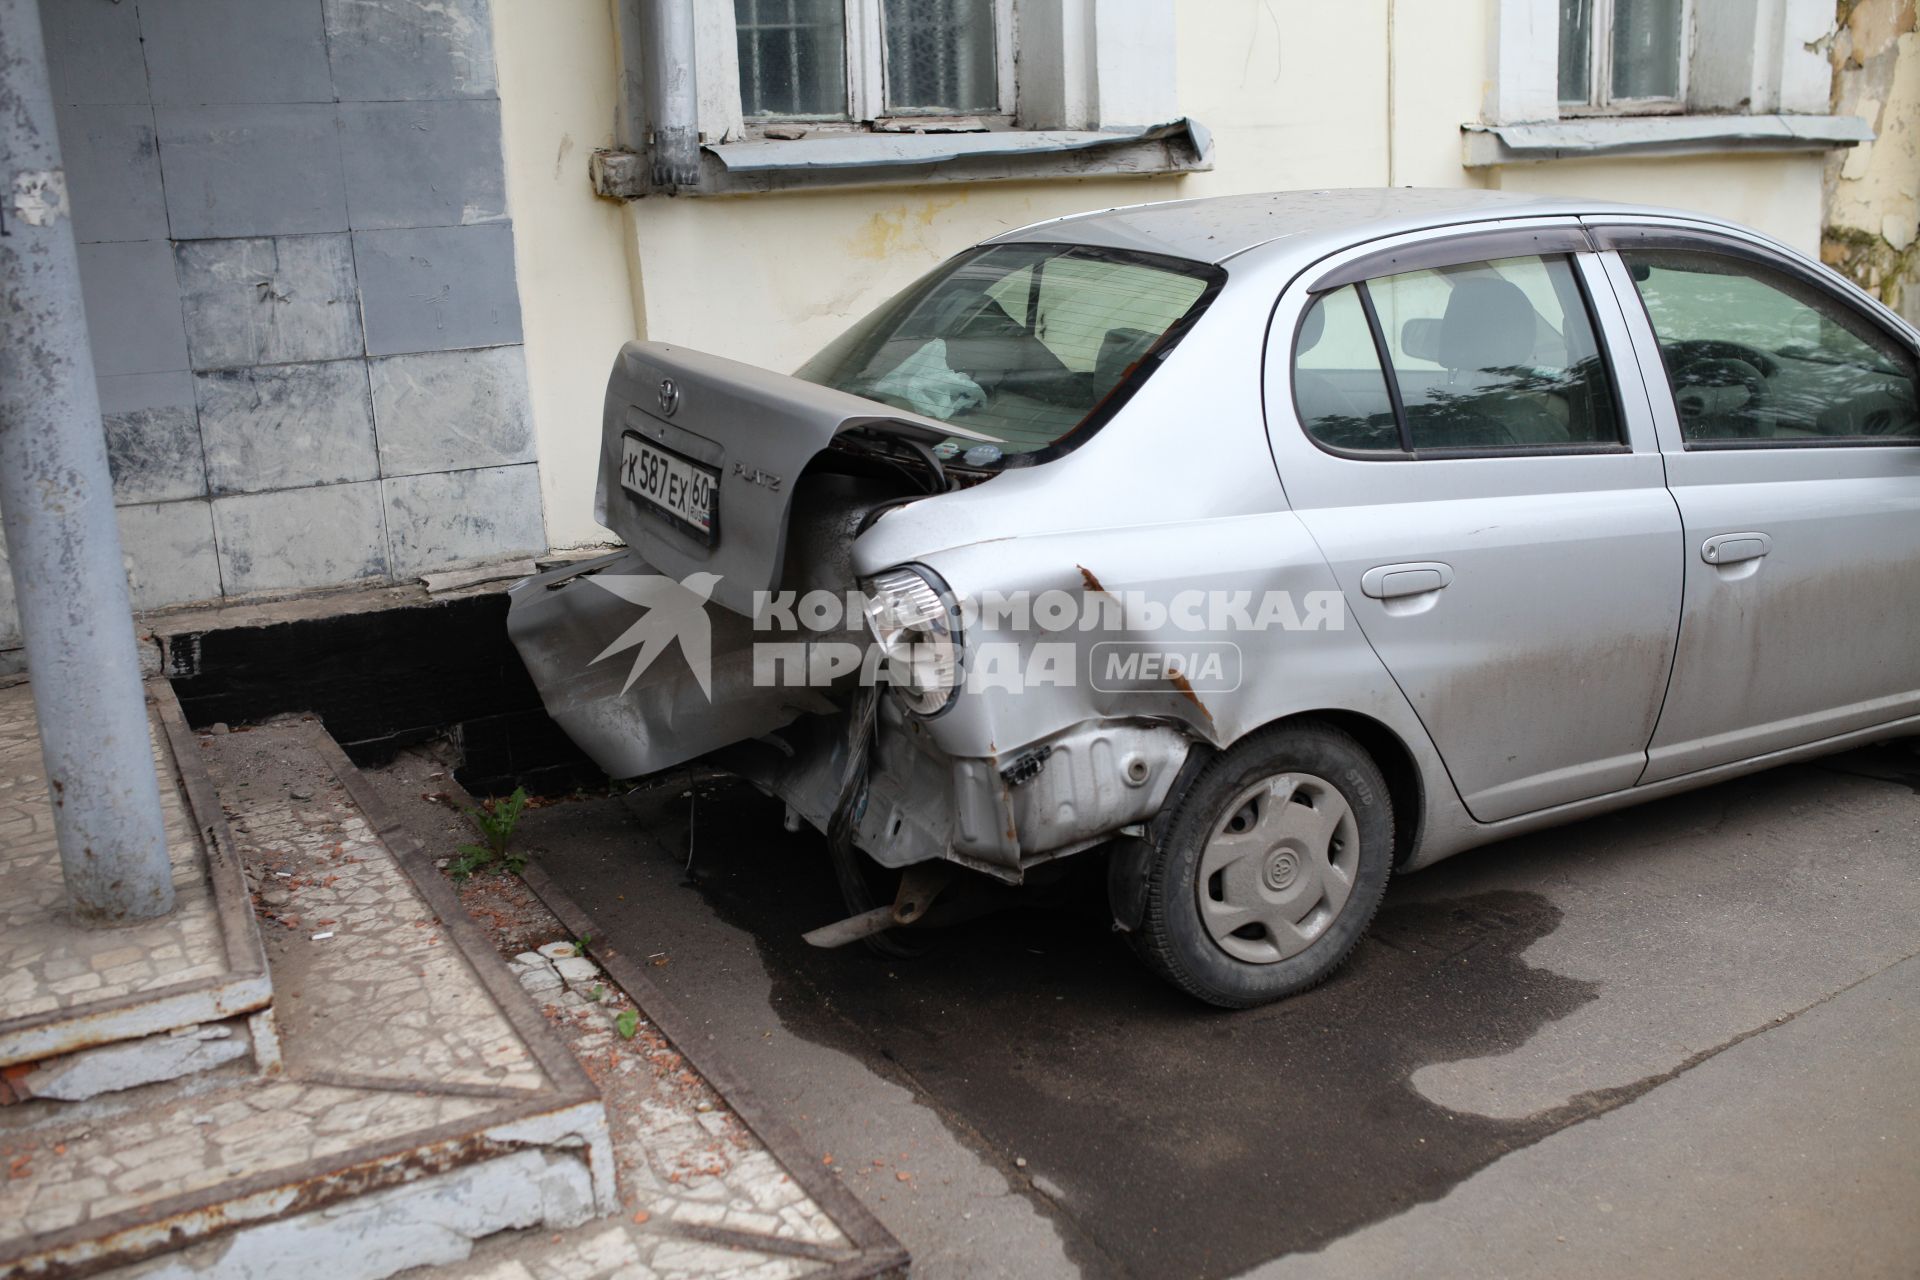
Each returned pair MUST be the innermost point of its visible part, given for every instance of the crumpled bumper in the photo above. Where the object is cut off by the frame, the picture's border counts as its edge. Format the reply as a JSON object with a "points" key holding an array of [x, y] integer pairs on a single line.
{"points": [[563, 623], [999, 813]]}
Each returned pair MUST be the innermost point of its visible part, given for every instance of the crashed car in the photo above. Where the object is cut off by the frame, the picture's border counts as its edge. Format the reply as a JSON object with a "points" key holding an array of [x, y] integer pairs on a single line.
{"points": [[1262, 546]]}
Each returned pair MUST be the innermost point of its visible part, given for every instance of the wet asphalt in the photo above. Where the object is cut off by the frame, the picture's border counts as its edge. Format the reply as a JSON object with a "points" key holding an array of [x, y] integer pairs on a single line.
{"points": [[1159, 1137]]}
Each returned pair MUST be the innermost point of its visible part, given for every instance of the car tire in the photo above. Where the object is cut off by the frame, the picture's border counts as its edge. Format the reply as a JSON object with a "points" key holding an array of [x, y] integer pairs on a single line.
{"points": [[1271, 866]]}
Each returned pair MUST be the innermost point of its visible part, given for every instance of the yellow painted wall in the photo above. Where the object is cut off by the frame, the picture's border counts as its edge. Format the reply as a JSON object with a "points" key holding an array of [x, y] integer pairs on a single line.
{"points": [[1296, 95], [571, 249], [1776, 194]]}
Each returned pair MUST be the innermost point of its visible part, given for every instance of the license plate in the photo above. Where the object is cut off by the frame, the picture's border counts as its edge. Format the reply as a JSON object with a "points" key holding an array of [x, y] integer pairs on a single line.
{"points": [[679, 488]]}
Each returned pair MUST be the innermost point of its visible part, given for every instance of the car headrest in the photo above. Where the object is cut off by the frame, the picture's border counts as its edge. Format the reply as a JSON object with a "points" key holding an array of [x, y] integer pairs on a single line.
{"points": [[1420, 338], [1489, 324], [1118, 349]]}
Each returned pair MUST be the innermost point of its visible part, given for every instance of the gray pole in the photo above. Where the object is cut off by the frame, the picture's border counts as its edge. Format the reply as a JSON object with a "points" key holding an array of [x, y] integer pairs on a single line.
{"points": [[56, 504]]}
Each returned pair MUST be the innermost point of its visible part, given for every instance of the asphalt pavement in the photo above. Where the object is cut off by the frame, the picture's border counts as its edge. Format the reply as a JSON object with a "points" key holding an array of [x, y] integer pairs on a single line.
{"points": [[1674, 1040]]}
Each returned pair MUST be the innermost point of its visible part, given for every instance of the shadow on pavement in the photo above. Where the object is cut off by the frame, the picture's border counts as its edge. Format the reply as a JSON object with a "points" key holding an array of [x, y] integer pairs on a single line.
{"points": [[1178, 1140]]}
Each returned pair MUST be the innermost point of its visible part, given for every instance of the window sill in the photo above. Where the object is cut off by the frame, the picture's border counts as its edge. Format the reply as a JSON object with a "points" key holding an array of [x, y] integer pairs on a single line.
{"points": [[1588, 137], [887, 159]]}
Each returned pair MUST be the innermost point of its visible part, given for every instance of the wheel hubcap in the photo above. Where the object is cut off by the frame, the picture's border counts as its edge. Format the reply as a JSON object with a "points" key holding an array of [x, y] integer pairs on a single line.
{"points": [[1279, 867]]}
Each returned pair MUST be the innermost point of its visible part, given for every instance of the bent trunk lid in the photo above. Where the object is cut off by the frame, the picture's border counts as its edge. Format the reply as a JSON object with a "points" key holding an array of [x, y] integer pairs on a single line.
{"points": [[752, 431]]}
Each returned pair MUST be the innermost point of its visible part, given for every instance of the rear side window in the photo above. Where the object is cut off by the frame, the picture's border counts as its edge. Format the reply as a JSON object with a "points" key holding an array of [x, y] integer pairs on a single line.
{"points": [[1496, 356], [1337, 384], [1757, 357]]}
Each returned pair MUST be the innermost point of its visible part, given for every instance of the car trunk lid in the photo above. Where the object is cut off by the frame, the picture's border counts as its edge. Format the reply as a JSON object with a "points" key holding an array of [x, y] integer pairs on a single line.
{"points": [[700, 456]]}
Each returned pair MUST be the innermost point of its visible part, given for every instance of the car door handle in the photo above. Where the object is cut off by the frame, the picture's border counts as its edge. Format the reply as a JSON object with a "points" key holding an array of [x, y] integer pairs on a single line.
{"points": [[1390, 581], [1732, 548]]}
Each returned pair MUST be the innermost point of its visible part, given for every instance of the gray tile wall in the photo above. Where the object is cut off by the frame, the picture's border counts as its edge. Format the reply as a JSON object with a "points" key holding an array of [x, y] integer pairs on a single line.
{"points": [[299, 278]]}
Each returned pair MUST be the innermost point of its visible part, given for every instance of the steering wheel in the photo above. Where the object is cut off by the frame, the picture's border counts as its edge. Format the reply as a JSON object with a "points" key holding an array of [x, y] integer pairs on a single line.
{"points": [[1698, 377]]}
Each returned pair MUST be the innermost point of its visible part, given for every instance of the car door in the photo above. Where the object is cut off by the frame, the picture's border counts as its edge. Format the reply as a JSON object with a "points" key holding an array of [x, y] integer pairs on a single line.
{"points": [[1787, 417], [1484, 480]]}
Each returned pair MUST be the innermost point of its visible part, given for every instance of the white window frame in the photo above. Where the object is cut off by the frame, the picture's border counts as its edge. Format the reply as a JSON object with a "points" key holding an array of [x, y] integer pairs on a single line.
{"points": [[1600, 100], [1756, 78], [1062, 64], [867, 67], [1743, 58], [865, 91]]}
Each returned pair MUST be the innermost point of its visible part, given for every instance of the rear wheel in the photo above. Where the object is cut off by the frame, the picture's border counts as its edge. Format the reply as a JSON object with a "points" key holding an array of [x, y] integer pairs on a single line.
{"points": [[1272, 865]]}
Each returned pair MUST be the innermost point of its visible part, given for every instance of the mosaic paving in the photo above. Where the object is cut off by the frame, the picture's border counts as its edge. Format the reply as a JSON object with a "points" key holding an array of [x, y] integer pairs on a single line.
{"points": [[47, 964], [390, 1046], [365, 979], [145, 1145], [389, 1039], [688, 1167]]}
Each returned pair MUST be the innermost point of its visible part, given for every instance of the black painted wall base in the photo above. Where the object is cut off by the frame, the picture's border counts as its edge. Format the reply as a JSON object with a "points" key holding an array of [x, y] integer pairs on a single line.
{"points": [[386, 680]]}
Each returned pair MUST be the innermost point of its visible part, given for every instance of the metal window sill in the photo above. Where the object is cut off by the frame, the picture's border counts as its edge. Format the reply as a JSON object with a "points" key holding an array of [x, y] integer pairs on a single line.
{"points": [[886, 159], [1586, 137]]}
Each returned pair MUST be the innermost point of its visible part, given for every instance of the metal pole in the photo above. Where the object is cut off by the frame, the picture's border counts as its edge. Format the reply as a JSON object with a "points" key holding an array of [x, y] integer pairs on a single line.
{"points": [[56, 506]]}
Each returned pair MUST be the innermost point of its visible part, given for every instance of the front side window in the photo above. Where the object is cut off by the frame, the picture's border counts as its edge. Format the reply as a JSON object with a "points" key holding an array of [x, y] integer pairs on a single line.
{"points": [[859, 59], [1622, 55], [1020, 342], [1496, 355], [1757, 356]]}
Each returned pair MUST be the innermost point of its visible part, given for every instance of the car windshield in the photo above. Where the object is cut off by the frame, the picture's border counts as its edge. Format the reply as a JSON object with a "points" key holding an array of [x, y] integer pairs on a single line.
{"points": [[1023, 343]]}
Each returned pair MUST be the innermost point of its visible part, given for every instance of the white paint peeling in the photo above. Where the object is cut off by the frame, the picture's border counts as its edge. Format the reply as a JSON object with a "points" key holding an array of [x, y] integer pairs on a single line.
{"points": [[40, 197]]}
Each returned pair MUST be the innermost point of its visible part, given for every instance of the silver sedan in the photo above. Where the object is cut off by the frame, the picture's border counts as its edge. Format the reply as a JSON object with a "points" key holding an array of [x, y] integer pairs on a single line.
{"points": [[1261, 546]]}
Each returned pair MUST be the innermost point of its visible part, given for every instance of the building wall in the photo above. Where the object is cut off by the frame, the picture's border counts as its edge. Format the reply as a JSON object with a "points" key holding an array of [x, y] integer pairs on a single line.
{"points": [[1295, 96], [299, 278], [1872, 230]]}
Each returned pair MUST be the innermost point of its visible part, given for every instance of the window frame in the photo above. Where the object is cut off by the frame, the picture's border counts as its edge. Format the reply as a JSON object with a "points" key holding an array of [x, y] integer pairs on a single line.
{"points": [[1600, 100], [1613, 238], [864, 60], [1756, 81], [1428, 255]]}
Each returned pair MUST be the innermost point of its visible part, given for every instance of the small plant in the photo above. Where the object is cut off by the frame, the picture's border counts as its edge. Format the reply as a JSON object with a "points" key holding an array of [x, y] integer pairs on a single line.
{"points": [[581, 943], [597, 994], [496, 819], [627, 1023]]}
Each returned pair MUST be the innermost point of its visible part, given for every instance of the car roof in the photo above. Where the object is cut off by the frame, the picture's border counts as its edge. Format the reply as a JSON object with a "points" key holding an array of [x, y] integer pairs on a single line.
{"points": [[1216, 228]]}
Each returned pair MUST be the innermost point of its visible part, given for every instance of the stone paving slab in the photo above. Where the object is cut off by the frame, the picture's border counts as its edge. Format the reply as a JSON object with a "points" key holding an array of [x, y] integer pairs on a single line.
{"points": [[406, 1053], [707, 1187], [367, 984], [64, 988]]}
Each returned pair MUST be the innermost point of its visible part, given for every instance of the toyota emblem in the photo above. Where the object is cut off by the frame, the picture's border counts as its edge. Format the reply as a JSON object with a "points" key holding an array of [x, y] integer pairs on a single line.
{"points": [[669, 396]]}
